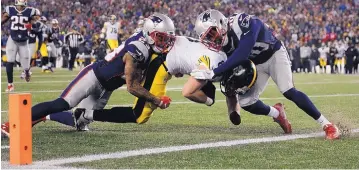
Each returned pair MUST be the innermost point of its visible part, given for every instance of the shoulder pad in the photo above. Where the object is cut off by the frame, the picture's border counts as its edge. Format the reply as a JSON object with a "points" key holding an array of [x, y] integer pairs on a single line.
{"points": [[138, 50], [7, 9]]}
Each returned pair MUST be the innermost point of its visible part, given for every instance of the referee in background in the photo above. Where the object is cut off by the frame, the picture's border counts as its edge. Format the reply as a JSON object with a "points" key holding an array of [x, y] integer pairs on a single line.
{"points": [[73, 39]]}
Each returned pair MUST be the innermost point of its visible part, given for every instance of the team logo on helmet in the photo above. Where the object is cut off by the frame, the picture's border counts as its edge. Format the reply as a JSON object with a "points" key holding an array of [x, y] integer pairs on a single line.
{"points": [[206, 16], [156, 20]]}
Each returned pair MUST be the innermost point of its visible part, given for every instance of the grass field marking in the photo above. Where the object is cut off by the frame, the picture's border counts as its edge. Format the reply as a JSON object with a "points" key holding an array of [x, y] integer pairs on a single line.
{"points": [[263, 98], [159, 150], [270, 84], [5, 147]]}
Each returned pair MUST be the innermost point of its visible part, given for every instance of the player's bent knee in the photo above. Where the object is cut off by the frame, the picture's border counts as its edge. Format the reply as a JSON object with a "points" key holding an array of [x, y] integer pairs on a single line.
{"points": [[290, 94], [145, 115]]}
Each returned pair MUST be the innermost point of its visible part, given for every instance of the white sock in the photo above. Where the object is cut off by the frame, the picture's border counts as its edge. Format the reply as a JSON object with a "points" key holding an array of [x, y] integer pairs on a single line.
{"points": [[89, 114], [47, 117], [323, 121], [273, 112]]}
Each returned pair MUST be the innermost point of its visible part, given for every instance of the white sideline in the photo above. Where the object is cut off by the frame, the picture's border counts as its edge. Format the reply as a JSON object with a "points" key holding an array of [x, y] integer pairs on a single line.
{"points": [[158, 150], [263, 98]]}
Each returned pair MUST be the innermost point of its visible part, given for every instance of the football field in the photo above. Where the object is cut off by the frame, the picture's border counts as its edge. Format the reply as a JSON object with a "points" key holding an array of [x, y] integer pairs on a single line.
{"points": [[193, 136]]}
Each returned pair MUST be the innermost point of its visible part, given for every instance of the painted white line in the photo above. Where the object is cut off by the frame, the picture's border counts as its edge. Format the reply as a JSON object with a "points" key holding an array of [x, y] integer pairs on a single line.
{"points": [[263, 98], [5, 147], [39, 82], [270, 84], [152, 151]]}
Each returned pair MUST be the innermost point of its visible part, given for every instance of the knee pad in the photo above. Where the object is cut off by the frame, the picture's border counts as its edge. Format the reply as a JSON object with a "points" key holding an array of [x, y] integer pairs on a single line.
{"points": [[145, 115]]}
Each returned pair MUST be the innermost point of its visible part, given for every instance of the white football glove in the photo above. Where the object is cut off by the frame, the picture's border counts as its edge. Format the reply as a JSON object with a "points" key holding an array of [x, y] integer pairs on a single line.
{"points": [[202, 74]]}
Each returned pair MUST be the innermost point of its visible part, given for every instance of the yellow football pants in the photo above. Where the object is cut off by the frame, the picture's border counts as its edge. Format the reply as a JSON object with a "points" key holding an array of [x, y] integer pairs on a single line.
{"points": [[112, 44], [155, 82]]}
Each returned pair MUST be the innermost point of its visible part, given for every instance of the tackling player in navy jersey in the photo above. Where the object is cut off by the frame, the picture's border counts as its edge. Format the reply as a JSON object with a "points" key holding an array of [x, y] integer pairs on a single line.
{"points": [[95, 83], [244, 37], [20, 17]]}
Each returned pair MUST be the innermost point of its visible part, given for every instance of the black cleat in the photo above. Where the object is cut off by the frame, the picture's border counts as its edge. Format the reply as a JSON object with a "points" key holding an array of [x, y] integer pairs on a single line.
{"points": [[80, 121]]}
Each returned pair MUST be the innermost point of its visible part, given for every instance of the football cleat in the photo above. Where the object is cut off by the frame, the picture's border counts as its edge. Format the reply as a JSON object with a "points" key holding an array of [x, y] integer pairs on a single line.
{"points": [[81, 122], [10, 87], [235, 118], [331, 131], [26, 74], [5, 129], [282, 119]]}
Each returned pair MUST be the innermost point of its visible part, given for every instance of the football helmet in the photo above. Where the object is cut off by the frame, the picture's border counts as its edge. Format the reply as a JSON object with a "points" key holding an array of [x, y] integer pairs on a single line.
{"points": [[113, 19], [54, 23], [20, 2], [43, 19], [211, 26], [239, 80], [159, 32]]}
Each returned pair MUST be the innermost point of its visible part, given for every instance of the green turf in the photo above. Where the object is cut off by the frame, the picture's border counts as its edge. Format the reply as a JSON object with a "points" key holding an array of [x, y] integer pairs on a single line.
{"points": [[183, 124]]}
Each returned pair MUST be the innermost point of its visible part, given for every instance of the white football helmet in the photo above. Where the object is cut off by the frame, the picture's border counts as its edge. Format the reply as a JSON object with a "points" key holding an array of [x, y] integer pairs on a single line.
{"points": [[43, 19], [159, 32], [54, 23], [211, 26], [20, 2]]}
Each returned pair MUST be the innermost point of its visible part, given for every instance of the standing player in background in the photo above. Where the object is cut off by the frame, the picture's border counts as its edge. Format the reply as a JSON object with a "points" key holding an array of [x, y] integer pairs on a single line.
{"points": [[53, 34], [323, 53], [340, 57], [35, 39], [111, 31], [246, 37], [333, 51], [20, 17]]}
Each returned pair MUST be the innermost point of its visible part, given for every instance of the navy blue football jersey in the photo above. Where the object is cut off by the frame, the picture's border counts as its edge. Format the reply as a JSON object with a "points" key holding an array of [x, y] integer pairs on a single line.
{"points": [[53, 34], [18, 19], [266, 44], [36, 31], [110, 71]]}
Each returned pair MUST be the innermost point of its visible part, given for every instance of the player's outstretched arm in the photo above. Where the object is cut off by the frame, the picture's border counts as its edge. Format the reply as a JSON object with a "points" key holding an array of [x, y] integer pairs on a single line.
{"points": [[232, 104], [192, 91], [133, 82]]}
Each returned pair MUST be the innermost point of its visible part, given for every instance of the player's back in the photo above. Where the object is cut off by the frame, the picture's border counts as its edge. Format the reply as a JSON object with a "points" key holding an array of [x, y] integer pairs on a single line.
{"points": [[110, 71], [187, 53], [18, 20], [266, 44]]}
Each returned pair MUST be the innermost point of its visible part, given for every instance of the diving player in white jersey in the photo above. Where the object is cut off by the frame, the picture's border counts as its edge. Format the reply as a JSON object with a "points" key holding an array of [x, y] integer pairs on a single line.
{"points": [[186, 55], [244, 37], [110, 31]]}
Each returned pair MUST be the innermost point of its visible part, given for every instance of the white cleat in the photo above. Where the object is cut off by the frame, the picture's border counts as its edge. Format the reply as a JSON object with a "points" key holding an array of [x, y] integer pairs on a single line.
{"points": [[10, 88]]}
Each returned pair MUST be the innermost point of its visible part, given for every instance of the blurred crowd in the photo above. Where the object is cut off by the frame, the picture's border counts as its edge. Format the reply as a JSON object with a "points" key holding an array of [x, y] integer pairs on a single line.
{"points": [[297, 23]]}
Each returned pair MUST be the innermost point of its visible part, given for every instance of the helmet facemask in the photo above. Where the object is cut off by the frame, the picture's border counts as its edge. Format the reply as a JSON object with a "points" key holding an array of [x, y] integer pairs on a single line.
{"points": [[163, 42], [213, 38]]}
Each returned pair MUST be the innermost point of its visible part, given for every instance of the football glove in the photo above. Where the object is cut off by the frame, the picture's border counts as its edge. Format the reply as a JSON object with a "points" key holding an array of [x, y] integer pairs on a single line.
{"points": [[165, 102]]}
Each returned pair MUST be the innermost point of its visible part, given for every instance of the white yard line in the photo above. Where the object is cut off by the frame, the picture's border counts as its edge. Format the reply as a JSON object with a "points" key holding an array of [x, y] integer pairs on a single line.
{"points": [[263, 98], [270, 84], [5, 147], [159, 150]]}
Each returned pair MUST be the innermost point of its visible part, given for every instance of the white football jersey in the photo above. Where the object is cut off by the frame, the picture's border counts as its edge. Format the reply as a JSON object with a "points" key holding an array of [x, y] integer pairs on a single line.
{"points": [[188, 53], [112, 30]]}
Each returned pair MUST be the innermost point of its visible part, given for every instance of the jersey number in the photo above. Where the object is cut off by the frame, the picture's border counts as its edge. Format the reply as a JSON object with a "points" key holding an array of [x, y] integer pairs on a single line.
{"points": [[114, 30], [18, 22]]}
